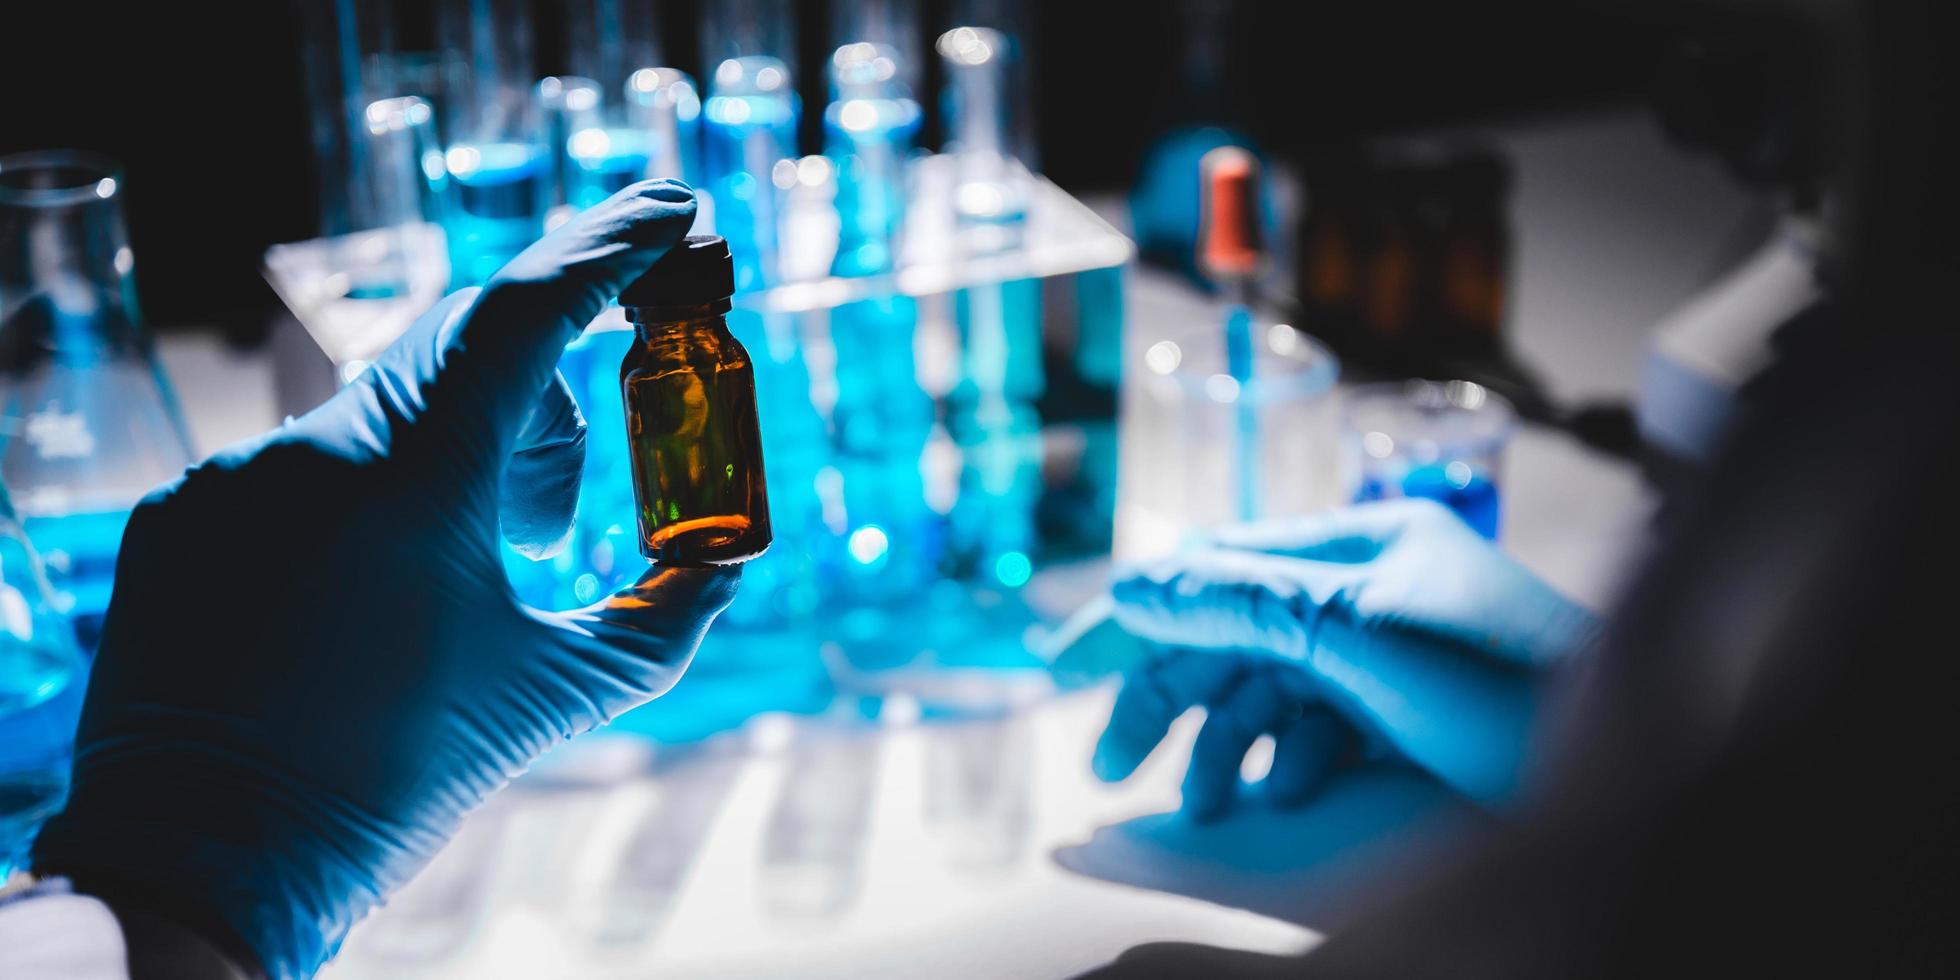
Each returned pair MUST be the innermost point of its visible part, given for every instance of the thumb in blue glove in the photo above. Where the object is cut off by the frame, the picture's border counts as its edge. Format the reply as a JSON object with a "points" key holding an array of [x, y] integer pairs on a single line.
{"points": [[314, 666], [1408, 624]]}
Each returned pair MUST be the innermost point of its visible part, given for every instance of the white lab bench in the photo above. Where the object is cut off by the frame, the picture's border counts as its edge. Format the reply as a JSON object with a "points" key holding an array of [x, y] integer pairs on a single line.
{"points": [[821, 847]]}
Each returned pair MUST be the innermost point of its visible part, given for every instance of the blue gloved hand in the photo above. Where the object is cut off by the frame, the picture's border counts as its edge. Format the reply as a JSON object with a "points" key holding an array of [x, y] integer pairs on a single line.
{"points": [[1244, 696], [313, 665], [1405, 623]]}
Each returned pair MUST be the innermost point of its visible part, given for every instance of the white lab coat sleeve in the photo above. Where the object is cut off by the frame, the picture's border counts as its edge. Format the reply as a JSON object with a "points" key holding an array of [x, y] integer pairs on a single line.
{"points": [[61, 935]]}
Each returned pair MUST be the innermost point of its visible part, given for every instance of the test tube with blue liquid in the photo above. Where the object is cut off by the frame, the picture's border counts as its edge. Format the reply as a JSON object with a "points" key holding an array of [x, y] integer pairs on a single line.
{"points": [[568, 110], [751, 114], [748, 143], [664, 105], [882, 417], [612, 44], [991, 414], [497, 159], [1443, 441]]}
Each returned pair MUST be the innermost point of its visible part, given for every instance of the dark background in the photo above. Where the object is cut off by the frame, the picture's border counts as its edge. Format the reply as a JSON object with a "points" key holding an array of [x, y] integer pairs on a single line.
{"points": [[205, 104]]}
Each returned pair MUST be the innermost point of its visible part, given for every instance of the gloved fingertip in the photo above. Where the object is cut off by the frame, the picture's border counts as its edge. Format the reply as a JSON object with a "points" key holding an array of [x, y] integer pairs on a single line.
{"points": [[1137, 584], [666, 189], [536, 549]]}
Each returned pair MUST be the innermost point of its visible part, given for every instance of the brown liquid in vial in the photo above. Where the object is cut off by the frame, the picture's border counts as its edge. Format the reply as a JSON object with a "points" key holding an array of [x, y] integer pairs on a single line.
{"points": [[696, 445]]}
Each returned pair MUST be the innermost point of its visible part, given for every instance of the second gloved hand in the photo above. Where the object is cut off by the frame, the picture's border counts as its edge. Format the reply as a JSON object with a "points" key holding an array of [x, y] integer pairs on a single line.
{"points": [[1397, 616], [314, 666]]}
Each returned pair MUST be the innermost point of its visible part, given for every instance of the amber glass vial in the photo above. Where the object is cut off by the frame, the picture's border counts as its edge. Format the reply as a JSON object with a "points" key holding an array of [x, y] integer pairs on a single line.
{"points": [[691, 415]]}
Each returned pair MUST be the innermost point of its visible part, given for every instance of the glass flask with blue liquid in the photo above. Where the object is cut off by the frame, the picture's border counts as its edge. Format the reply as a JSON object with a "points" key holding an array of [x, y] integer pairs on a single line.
{"points": [[88, 423], [991, 410], [496, 178], [1443, 441], [751, 114], [664, 105], [882, 418], [637, 120], [42, 673]]}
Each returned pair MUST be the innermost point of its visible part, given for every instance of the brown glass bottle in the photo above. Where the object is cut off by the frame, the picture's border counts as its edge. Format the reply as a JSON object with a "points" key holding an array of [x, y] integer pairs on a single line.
{"points": [[691, 420]]}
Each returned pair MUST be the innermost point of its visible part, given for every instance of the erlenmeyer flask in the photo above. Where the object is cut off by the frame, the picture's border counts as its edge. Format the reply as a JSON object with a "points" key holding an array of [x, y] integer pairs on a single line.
{"points": [[87, 422], [41, 676]]}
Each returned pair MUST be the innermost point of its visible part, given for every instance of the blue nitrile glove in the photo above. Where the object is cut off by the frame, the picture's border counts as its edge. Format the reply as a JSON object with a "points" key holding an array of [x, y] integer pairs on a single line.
{"points": [[1397, 616], [313, 666], [1244, 696]]}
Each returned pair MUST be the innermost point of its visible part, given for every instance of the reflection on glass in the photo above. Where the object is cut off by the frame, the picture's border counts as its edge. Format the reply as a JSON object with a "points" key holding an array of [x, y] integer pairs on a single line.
{"points": [[650, 870], [978, 786], [813, 849]]}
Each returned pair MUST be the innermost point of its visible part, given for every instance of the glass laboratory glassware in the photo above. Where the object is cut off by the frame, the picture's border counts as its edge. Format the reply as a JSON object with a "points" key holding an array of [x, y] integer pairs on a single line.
{"points": [[982, 105], [869, 130], [497, 166], [1193, 413], [609, 42], [991, 414], [1440, 440], [749, 28], [381, 261], [569, 113], [691, 413], [373, 142], [882, 417], [752, 115], [891, 25], [664, 104], [88, 424], [41, 676]]}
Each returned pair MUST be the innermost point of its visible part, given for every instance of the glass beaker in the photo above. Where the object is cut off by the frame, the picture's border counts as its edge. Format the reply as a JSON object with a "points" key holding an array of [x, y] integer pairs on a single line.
{"points": [[40, 679], [88, 424], [1268, 440], [1440, 440]]}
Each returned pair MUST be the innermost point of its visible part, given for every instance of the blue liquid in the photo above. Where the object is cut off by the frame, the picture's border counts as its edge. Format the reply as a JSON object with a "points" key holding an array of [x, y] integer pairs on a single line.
{"points": [[992, 417], [1099, 327], [497, 198], [80, 553], [605, 161], [868, 142], [1471, 495], [993, 519], [745, 136], [882, 421], [36, 745], [41, 694]]}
